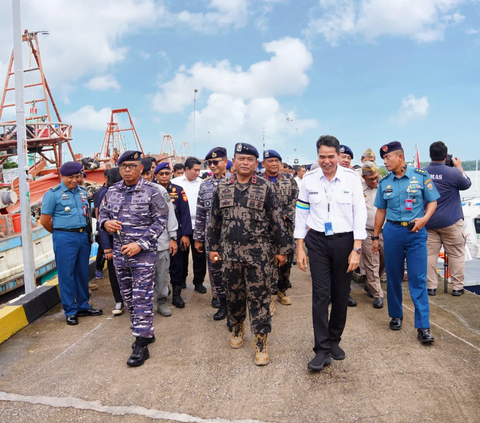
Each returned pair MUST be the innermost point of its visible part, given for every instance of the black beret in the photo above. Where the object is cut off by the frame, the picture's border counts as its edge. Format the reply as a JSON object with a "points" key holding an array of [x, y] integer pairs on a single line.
{"points": [[388, 148], [346, 150], [216, 153], [160, 166], [271, 154], [130, 156], [71, 168], [147, 165], [248, 149]]}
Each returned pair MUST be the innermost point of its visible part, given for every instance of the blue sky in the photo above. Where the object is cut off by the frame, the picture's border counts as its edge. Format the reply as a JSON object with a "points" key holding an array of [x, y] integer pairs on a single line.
{"points": [[366, 71]]}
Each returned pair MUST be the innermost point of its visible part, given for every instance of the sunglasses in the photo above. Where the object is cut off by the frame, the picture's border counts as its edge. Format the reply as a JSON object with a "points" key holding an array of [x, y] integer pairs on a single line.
{"points": [[213, 162], [128, 166]]}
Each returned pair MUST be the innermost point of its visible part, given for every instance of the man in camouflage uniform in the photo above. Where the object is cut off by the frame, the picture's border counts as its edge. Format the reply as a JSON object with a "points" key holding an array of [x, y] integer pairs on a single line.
{"points": [[136, 213], [217, 162], [246, 215], [287, 190]]}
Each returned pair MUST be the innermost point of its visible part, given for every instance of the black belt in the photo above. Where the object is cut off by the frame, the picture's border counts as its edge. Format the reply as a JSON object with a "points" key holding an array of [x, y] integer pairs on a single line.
{"points": [[70, 230], [398, 222], [340, 235]]}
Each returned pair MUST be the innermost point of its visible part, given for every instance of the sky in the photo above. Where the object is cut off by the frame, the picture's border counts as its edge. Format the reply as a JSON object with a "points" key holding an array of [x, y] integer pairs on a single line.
{"points": [[278, 73]]}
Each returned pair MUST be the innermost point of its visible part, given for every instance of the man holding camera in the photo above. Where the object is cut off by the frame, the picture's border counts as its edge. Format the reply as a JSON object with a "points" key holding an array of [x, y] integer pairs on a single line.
{"points": [[446, 225]]}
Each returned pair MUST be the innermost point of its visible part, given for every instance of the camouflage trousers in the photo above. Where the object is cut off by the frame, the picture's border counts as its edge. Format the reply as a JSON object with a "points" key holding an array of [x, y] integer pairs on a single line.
{"points": [[216, 278], [136, 286], [248, 285], [280, 280]]}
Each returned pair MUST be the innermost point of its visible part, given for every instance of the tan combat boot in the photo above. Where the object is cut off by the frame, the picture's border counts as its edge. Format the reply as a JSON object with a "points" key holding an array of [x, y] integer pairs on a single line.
{"points": [[282, 297], [261, 354], [272, 306], [236, 339]]}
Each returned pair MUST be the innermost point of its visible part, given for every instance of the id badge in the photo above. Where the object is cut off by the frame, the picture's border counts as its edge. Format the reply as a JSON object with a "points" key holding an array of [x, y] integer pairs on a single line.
{"points": [[84, 211], [408, 204], [328, 229]]}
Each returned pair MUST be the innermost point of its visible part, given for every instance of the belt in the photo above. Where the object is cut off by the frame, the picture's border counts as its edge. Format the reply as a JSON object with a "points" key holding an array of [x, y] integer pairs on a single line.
{"points": [[339, 235], [70, 230], [398, 223]]}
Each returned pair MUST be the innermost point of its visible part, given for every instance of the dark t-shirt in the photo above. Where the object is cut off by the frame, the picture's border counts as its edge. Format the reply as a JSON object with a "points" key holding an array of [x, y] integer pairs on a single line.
{"points": [[448, 181]]}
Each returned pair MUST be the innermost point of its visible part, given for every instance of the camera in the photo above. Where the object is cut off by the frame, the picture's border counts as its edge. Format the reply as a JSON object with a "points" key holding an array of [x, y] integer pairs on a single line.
{"points": [[449, 161]]}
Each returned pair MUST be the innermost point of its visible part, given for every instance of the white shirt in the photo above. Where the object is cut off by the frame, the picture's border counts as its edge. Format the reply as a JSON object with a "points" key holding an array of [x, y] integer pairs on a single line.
{"points": [[343, 193], [163, 241], [297, 180], [191, 189]]}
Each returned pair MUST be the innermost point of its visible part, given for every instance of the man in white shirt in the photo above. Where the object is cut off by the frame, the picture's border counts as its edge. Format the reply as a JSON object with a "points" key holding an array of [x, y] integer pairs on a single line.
{"points": [[300, 172], [330, 217], [190, 182]]}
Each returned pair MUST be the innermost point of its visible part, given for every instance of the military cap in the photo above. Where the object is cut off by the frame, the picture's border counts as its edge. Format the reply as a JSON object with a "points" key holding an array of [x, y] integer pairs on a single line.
{"points": [[130, 156], [346, 150], [160, 166], [248, 149], [84, 174], [71, 168], [369, 169], [229, 164], [271, 154], [147, 165], [388, 148], [216, 153], [368, 154]]}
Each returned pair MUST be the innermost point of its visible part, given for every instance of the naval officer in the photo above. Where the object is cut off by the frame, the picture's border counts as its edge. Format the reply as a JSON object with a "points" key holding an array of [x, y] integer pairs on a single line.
{"points": [[64, 214], [400, 199]]}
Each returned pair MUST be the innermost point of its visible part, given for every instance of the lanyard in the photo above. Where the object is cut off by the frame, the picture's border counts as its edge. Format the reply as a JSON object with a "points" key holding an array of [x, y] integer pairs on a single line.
{"points": [[329, 194]]}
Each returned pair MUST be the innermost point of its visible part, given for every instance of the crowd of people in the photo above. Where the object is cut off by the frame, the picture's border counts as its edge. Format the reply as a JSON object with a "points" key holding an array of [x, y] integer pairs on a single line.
{"points": [[247, 222]]}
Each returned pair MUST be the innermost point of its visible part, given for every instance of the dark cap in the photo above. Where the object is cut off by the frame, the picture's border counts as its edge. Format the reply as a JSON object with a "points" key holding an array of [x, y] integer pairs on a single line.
{"points": [[216, 153], [271, 154], [344, 149], [248, 149], [147, 165], [160, 166], [130, 156], [229, 164], [71, 168], [388, 148]]}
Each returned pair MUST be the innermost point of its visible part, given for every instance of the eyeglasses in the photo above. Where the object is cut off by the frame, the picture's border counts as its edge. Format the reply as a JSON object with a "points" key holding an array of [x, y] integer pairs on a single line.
{"points": [[213, 162], [163, 173], [375, 178], [128, 166]]}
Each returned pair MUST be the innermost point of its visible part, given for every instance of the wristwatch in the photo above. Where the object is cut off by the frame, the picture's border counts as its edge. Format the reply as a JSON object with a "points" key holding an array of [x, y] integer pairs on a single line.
{"points": [[373, 238], [358, 250], [173, 238]]}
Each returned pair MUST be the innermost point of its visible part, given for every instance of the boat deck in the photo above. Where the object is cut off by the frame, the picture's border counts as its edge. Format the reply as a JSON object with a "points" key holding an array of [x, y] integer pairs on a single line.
{"points": [[56, 373]]}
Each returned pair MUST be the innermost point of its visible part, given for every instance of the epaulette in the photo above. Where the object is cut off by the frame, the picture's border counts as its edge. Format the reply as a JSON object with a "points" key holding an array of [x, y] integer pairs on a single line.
{"points": [[232, 179], [254, 179], [85, 189], [383, 177], [55, 188], [421, 171]]}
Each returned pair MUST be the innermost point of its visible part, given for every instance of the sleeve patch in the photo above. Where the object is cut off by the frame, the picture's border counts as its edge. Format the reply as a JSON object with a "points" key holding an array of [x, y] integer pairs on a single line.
{"points": [[303, 205]]}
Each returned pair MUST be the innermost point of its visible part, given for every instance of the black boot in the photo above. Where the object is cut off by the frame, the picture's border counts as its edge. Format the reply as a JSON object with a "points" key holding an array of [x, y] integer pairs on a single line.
{"points": [[177, 299], [222, 310], [140, 352]]}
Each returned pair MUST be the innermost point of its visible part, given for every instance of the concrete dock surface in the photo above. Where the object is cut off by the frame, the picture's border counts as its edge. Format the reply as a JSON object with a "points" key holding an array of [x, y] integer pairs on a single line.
{"points": [[51, 372]]}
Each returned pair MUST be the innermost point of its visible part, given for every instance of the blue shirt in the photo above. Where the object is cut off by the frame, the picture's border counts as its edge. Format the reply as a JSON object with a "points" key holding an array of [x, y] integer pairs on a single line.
{"points": [[392, 192], [66, 206], [448, 181]]}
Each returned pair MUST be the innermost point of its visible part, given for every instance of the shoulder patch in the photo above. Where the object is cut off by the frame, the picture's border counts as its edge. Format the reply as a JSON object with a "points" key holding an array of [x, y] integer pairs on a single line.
{"points": [[421, 171], [55, 188], [383, 177]]}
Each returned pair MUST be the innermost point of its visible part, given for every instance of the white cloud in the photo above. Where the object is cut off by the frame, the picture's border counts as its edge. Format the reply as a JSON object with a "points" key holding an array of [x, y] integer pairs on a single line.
{"points": [[421, 20], [284, 73], [412, 108], [472, 31], [87, 118], [103, 83]]}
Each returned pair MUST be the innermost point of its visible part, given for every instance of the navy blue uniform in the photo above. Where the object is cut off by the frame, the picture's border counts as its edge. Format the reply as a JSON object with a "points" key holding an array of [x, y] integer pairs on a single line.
{"points": [[415, 186], [71, 246]]}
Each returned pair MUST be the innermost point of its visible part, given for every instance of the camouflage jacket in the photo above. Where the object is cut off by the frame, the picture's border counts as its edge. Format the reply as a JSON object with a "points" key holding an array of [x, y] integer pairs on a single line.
{"points": [[245, 219], [204, 205], [287, 194], [143, 211]]}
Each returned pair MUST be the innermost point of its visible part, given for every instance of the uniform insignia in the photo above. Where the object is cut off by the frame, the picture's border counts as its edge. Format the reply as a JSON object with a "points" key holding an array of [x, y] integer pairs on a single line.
{"points": [[267, 154], [389, 186], [385, 148], [56, 187], [413, 177], [430, 186], [184, 197], [214, 154], [254, 179], [239, 147], [174, 189], [427, 181], [135, 156], [67, 209], [342, 150]]}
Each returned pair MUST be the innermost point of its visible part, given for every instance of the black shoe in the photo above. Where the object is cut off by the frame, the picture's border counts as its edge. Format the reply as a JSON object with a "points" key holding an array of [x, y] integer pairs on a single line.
{"points": [[378, 302], [177, 299], [351, 302], [396, 323], [222, 310], [424, 336], [369, 293], [458, 292], [336, 352], [90, 312], [215, 303], [72, 320], [432, 292], [320, 360], [146, 341], [200, 289], [139, 354], [229, 326]]}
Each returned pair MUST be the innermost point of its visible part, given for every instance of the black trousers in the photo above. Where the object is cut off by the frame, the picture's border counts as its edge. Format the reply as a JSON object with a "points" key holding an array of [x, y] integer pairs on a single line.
{"points": [[100, 260], [330, 282], [114, 282], [176, 267], [199, 263]]}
